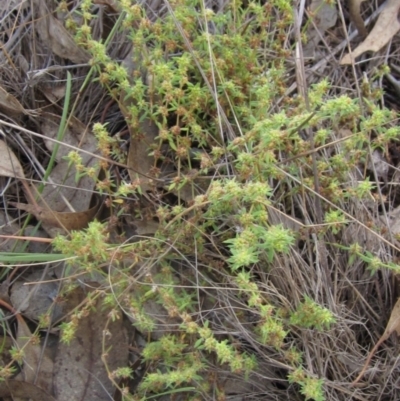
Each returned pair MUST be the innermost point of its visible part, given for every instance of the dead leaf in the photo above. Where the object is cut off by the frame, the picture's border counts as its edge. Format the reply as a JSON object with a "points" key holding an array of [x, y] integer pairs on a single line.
{"points": [[79, 371], [139, 162], [393, 221], [57, 222], [21, 389], [9, 163], [384, 29], [66, 201], [355, 16], [324, 17], [379, 164], [38, 367], [393, 326], [76, 134], [78, 193], [146, 227], [10, 104], [36, 299], [114, 5], [56, 37], [53, 93]]}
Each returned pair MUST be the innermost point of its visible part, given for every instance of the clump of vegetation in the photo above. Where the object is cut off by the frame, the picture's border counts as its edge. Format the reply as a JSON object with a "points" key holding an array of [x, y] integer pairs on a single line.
{"points": [[255, 191], [216, 89]]}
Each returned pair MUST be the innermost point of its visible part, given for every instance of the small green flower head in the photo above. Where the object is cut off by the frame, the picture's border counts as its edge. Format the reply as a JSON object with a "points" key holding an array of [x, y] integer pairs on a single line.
{"points": [[310, 314]]}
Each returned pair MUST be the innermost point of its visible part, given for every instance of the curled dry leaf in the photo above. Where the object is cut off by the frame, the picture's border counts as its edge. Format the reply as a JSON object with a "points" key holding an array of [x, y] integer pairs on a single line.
{"points": [[355, 16], [392, 326], [79, 371], [384, 29], [76, 134], [56, 37], [9, 164], [9, 103], [59, 222]]}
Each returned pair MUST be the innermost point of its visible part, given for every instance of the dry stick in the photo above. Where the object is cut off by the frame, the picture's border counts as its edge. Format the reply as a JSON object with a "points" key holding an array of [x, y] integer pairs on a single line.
{"points": [[383, 338], [20, 237], [12, 310]]}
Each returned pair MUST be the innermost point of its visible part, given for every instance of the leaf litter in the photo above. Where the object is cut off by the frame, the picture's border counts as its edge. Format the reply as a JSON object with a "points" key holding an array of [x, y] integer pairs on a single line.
{"points": [[82, 367], [37, 367], [66, 203], [383, 31]]}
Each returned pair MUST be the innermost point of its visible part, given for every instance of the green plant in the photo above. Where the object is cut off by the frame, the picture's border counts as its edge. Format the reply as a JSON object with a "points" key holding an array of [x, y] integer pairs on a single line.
{"points": [[310, 314], [240, 152]]}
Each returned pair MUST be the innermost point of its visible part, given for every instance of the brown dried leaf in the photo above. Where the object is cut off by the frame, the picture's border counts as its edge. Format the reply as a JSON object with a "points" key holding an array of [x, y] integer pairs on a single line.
{"points": [[394, 221], [10, 104], [384, 29], [379, 163], [77, 193], [53, 93], [9, 164], [57, 222], [79, 372], [324, 17], [21, 389], [66, 202], [355, 16], [146, 227], [139, 162], [392, 326], [76, 134], [34, 359], [56, 37], [36, 299], [114, 5]]}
